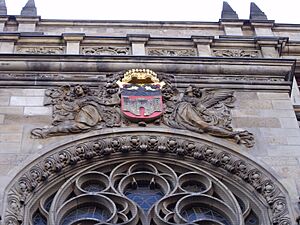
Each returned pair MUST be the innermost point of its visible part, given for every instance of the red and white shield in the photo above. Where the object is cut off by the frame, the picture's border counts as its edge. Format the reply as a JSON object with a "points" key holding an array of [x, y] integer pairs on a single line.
{"points": [[141, 102]]}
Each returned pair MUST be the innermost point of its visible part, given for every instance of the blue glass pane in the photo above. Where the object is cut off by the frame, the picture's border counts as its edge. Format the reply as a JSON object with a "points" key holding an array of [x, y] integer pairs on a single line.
{"points": [[201, 213], [93, 186], [251, 219], [143, 195], [193, 186], [48, 203], [94, 213], [38, 219]]}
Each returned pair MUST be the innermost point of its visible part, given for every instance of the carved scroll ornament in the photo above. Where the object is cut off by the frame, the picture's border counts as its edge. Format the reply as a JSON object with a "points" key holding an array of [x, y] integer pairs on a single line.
{"points": [[143, 98]]}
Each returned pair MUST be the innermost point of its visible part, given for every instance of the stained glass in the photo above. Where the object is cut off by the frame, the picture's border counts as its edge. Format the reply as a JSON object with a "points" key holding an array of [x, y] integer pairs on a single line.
{"points": [[87, 213], [198, 213], [143, 195], [39, 219]]}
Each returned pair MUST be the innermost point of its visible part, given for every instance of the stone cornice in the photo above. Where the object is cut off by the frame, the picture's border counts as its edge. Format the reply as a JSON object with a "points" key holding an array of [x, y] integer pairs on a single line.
{"points": [[218, 72]]}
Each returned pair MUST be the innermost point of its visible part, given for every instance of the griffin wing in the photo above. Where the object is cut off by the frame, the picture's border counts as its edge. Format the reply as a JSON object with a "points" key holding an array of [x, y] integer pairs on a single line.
{"points": [[212, 97]]}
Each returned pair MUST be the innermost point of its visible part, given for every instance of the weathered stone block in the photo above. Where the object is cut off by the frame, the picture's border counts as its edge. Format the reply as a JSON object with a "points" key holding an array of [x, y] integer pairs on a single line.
{"points": [[11, 128], [11, 110], [282, 161], [293, 141], [276, 140], [255, 104], [282, 104], [10, 138], [26, 101], [4, 100], [256, 122], [267, 95], [30, 111], [10, 147], [277, 113], [277, 132], [22, 92], [289, 122]]}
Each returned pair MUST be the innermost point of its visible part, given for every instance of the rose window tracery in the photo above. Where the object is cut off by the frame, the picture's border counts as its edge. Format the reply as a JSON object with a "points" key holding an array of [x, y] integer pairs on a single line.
{"points": [[140, 192]]}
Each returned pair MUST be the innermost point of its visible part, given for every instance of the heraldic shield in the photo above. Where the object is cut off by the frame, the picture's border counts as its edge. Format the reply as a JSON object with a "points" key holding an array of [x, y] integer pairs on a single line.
{"points": [[141, 98]]}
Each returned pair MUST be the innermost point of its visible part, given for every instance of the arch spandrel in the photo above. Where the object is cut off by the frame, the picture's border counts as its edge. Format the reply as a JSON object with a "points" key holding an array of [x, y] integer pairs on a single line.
{"points": [[214, 155]]}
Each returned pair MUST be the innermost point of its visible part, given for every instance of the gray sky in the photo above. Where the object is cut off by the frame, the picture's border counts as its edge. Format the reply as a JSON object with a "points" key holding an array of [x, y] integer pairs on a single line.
{"points": [[286, 11]]}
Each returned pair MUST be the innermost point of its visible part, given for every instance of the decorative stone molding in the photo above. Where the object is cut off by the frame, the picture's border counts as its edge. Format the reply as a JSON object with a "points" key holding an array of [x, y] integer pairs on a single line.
{"points": [[48, 167], [171, 52], [104, 50], [236, 53], [40, 50]]}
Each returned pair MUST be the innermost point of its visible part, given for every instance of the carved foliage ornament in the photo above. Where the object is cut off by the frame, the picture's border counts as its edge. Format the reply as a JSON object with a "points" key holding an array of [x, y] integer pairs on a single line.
{"points": [[141, 96], [105, 50], [49, 167], [40, 50], [171, 52], [236, 53]]}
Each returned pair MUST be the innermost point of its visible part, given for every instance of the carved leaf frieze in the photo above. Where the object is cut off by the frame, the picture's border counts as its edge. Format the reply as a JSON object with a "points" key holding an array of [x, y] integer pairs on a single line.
{"points": [[103, 50], [243, 53], [171, 52], [40, 50]]}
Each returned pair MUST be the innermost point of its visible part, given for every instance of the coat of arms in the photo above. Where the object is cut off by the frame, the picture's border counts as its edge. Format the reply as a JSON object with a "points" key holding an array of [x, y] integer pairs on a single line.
{"points": [[141, 98]]}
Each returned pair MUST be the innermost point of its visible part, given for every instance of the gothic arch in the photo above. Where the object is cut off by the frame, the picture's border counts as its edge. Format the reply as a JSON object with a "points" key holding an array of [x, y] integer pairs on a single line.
{"points": [[210, 155]]}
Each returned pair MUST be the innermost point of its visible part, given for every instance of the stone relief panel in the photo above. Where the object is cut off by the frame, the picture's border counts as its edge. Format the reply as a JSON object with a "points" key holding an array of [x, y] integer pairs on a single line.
{"points": [[103, 50], [171, 52], [236, 53], [40, 50], [48, 167], [141, 97]]}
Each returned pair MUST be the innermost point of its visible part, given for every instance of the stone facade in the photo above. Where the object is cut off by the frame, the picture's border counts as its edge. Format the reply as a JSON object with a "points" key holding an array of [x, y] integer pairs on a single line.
{"points": [[258, 59]]}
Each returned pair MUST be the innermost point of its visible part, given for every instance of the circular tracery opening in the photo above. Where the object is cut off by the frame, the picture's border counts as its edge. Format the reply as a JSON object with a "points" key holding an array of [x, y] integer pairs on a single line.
{"points": [[141, 192]]}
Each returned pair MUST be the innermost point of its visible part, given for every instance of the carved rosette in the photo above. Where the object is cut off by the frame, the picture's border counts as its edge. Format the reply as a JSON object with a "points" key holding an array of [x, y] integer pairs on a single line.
{"points": [[100, 148]]}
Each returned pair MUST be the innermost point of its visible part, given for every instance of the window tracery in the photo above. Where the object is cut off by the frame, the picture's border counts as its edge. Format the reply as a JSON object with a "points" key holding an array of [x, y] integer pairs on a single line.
{"points": [[140, 192]]}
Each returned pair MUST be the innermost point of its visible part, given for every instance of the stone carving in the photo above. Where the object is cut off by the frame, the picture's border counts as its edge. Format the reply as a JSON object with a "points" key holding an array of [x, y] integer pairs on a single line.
{"points": [[105, 50], [202, 111], [40, 50], [100, 148], [236, 53], [79, 109], [171, 52]]}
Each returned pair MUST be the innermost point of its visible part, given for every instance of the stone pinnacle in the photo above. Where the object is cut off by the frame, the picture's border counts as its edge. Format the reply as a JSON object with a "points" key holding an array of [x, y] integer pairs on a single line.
{"points": [[256, 13], [228, 12], [29, 9], [3, 9]]}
